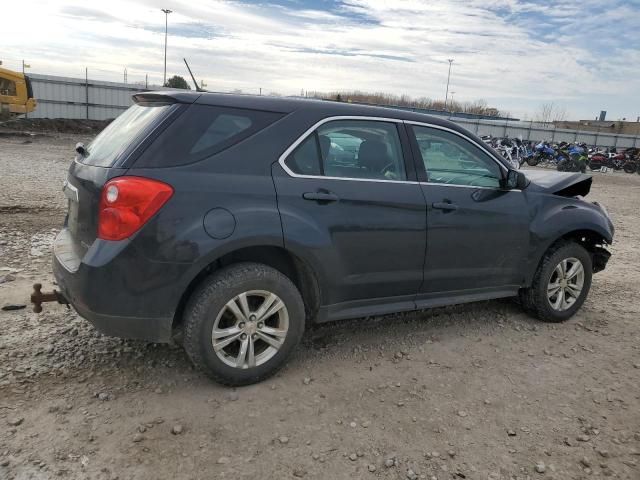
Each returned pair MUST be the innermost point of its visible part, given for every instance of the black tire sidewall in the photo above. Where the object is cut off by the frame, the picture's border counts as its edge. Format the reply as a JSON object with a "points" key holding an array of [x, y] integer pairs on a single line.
{"points": [[567, 251], [211, 298]]}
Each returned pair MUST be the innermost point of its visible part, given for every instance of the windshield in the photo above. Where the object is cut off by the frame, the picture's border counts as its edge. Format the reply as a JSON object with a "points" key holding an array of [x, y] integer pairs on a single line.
{"points": [[126, 129]]}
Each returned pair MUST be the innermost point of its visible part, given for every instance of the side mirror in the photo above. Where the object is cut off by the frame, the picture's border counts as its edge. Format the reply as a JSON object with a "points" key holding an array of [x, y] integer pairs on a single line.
{"points": [[80, 149], [515, 180]]}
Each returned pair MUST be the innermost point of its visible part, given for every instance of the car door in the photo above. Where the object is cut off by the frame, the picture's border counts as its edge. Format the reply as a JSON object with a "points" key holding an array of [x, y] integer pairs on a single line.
{"points": [[351, 206], [477, 231]]}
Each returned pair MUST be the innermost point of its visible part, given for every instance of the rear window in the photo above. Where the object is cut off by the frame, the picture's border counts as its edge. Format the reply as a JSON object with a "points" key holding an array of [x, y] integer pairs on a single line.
{"points": [[202, 131], [120, 134]]}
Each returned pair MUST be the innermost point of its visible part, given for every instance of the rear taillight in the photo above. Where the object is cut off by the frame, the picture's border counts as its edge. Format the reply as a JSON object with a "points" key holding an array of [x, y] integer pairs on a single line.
{"points": [[127, 203]]}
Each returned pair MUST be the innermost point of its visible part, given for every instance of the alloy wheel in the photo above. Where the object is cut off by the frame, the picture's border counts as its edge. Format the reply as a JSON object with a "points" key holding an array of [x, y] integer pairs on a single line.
{"points": [[566, 284], [250, 329]]}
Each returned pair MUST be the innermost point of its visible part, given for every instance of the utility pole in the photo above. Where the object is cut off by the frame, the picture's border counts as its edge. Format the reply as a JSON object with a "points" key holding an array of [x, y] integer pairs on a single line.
{"points": [[166, 25], [446, 96], [24, 66]]}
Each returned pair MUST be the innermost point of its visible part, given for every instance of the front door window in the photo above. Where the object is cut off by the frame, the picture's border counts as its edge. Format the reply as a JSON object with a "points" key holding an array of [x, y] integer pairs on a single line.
{"points": [[450, 159]]}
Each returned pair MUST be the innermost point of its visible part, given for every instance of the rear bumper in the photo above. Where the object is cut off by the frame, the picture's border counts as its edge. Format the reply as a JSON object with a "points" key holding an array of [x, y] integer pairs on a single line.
{"points": [[118, 297], [140, 328]]}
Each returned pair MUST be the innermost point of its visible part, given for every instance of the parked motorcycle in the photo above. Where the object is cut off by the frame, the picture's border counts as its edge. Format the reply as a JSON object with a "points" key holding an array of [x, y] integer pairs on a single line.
{"points": [[574, 158], [509, 151], [543, 152], [632, 163]]}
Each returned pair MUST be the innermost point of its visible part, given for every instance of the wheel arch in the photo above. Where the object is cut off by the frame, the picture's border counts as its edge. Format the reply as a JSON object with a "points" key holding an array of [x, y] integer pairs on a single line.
{"points": [[593, 238], [299, 271]]}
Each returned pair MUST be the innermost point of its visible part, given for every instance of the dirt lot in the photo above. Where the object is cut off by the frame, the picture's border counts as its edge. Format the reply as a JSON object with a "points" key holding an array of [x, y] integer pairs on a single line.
{"points": [[476, 391]]}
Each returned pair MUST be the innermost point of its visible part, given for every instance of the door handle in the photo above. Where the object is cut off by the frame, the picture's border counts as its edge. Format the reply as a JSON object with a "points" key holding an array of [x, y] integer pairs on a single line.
{"points": [[446, 206], [326, 197]]}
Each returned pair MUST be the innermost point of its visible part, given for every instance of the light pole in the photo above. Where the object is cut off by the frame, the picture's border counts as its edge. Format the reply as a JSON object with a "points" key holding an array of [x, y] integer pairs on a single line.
{"points": [[446, 96], [166, 25]]}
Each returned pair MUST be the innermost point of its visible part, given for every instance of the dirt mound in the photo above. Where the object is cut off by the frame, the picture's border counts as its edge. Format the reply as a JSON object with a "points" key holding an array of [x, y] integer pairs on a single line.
{"points": [[54, 125]]}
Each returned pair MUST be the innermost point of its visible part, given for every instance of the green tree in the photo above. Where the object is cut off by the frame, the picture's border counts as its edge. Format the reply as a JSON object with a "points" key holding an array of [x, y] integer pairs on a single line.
{"points": [[177, 82]]}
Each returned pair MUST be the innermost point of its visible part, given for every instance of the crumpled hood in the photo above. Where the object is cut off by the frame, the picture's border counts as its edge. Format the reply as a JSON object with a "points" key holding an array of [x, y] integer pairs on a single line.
{"points": [[566, 184]]}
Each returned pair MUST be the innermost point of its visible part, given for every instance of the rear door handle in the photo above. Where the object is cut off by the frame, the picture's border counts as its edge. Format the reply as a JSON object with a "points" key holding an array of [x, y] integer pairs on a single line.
{"points": [[446, 206], [326, 197]]}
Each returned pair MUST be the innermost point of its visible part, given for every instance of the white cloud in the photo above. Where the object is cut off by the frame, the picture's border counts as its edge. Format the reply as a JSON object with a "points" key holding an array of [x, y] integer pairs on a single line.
{"points": [[515, 54]]}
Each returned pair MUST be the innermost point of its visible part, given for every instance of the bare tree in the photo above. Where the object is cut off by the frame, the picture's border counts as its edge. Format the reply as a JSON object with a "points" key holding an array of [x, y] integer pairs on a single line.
{"points": [[550, 112], [478, 107]]}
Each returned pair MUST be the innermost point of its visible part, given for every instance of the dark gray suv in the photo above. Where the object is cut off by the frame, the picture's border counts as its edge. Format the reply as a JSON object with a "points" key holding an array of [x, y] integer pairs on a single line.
{"points": [[237, 220]]}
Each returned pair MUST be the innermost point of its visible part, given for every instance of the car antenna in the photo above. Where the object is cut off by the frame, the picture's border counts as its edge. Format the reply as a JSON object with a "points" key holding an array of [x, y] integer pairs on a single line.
{"points": [[198, 89]]}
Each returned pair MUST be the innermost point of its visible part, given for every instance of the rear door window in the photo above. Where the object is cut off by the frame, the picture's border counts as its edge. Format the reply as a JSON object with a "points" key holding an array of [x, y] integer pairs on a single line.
{"points": [[352, 149], [120, 134], [202, 131], [305, 159]]}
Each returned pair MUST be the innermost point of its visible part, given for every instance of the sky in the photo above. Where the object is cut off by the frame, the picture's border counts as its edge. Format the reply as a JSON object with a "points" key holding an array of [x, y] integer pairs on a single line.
{"points": [[583, 55]]}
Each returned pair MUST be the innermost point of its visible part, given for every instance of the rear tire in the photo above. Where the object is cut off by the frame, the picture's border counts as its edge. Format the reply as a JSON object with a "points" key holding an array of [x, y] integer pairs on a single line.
{"points": [[533, 161], [564, 165], [542, 300], [250, 344]]}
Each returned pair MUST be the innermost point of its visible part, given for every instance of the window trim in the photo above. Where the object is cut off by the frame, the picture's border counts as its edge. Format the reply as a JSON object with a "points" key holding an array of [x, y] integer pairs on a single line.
{"points": [[312, 130]]}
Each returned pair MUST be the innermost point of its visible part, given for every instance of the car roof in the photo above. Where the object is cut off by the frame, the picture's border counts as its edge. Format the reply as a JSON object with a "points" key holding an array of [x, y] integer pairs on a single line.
{"points": [[324, 108]]}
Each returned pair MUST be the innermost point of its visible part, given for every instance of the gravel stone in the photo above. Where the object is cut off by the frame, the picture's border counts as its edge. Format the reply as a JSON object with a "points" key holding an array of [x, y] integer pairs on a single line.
{"points": [[16, 421], [232, 396]]}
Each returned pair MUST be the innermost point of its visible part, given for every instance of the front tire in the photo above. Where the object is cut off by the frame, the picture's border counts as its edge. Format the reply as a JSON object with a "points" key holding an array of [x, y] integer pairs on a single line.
{"points": [[242, 323], [561, 283]]}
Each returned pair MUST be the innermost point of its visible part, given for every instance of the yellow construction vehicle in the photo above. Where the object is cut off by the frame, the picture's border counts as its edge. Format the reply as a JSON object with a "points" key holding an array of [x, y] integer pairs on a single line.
{"points": [[16, 94]]}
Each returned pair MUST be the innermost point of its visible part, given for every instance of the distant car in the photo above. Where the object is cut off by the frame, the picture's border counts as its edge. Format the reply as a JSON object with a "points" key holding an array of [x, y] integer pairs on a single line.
{"points": [[239, 219]]}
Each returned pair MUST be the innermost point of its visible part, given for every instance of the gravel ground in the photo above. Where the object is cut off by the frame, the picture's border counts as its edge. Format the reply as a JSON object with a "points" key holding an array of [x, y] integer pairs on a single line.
{"points": [[478, 391]]}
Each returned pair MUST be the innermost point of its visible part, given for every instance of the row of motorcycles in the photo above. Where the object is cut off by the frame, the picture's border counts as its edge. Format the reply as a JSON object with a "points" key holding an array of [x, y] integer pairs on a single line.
{"points": [[566, 157]]}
